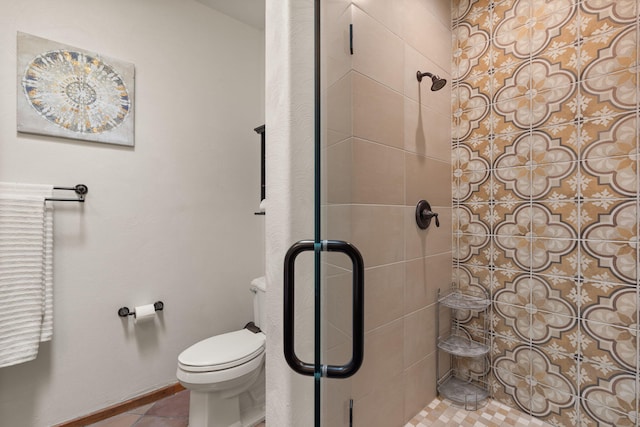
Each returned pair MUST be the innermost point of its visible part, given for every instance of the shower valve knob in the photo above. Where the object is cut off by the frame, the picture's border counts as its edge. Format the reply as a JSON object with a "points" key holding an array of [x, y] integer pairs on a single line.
{"points": [[431, 215], [424, 215]]}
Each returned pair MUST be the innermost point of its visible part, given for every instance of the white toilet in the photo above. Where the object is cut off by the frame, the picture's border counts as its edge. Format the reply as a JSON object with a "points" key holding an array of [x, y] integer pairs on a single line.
{"points": [[225, 374]]}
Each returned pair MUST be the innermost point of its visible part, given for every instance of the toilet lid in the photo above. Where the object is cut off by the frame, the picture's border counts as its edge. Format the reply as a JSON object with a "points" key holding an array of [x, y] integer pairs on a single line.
{"points": [[222, 351]]}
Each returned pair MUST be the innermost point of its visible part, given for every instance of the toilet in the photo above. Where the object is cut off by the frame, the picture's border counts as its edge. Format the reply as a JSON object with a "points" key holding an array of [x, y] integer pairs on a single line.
{"points": [[225, 373]]}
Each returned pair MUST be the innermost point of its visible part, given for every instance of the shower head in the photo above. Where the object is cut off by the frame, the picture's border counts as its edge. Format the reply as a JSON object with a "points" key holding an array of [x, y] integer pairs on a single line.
{"points": [[436, 82]]}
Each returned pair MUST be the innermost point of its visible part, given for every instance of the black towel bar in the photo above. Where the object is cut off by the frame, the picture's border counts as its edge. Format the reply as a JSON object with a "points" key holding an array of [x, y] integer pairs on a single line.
{"points": [[80, 189]]}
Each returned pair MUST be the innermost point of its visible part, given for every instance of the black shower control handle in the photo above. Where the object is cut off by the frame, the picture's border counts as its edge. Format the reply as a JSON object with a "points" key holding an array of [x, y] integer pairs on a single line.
{"points": [[424, 215], [429, 215]]}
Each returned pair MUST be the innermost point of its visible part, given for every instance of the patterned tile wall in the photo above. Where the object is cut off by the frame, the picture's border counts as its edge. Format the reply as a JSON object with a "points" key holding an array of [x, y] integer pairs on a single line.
{"points": [[545, 196]]}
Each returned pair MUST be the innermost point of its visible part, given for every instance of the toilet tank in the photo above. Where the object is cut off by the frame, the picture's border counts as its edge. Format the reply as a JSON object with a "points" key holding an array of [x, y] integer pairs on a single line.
{"points": [[259, 289]]}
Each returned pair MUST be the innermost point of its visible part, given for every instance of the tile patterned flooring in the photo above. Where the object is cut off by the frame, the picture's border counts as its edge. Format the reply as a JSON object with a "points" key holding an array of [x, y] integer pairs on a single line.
{"points": [[441, 413], [173, 411]]}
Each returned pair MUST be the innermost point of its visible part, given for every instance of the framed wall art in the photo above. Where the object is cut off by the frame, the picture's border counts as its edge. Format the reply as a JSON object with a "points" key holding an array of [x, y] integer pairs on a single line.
{"points": [[68, 92]]}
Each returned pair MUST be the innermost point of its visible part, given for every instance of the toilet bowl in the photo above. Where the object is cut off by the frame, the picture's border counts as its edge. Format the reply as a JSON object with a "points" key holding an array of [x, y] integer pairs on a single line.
{"points": [[225, 374]]}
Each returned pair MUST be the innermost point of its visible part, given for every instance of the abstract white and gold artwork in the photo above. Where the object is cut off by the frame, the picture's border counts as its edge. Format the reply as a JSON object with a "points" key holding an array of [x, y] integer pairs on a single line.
{"points": [[64, 91]]}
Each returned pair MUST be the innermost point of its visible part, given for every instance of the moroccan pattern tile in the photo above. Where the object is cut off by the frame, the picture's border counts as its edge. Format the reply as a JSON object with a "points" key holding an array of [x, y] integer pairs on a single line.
{"points": [[546, 115], [537, 384]]}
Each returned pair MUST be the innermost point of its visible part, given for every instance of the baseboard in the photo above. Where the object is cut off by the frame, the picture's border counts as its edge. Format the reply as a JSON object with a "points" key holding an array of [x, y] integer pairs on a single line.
{"points": [[120, 408]]}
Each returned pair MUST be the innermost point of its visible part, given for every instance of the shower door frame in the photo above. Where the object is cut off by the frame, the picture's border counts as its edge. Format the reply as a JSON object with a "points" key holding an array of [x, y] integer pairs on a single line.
{"points": [[320, 368]]}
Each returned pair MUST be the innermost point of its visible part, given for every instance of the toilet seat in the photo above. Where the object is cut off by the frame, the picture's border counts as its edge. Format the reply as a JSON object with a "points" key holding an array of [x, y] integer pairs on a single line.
{"points": [[222, 352]]}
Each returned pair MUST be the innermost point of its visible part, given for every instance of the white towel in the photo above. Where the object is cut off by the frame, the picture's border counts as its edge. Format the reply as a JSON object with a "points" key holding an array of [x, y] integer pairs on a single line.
{"points": [[40, 191], [26, 271]]}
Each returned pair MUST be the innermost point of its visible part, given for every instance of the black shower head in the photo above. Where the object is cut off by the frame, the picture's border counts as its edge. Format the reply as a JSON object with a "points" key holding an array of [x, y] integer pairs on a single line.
{"points": [[436, 82]]}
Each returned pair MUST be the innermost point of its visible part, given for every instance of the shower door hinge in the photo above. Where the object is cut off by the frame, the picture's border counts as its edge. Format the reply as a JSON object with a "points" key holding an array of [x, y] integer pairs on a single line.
{"points": [[350, 412], [351, 38]]}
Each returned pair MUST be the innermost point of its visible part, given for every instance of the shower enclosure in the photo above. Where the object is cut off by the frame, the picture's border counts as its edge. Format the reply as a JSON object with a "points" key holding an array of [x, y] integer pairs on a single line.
{"points": [[542, 119], [382, 135]]}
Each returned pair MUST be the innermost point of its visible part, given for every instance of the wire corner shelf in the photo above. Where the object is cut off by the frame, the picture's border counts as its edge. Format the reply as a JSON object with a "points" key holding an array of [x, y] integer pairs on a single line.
{"points": [[465, 381]]}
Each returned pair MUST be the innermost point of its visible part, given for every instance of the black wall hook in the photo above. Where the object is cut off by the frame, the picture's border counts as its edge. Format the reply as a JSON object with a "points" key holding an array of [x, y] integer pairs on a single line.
{"points": [[424, 215]]}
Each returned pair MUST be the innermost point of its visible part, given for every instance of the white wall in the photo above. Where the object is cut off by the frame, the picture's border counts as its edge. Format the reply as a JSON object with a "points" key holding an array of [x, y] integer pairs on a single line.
{"points": [[289, 119], [171, 219]]}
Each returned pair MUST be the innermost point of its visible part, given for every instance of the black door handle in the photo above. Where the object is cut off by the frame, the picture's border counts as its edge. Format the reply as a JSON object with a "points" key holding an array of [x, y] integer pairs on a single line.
{"points": [[330, 371]]}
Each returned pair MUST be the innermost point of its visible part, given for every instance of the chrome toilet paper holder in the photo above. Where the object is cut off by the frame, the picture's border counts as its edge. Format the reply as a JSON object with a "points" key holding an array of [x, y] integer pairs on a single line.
{"points": [[124, 311]]}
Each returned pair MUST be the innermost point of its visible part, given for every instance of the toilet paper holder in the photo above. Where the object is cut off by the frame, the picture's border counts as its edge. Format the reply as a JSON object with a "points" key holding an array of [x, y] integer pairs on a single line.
{"points": [[124, 311]]}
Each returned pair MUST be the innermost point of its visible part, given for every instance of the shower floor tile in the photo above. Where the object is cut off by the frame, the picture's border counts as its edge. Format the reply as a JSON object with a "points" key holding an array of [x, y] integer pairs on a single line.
{"points": [[441, 413], [173, 411]]}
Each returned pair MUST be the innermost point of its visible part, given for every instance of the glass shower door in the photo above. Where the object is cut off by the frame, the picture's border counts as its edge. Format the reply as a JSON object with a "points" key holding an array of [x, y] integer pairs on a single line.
{"points": [[338, 266]]}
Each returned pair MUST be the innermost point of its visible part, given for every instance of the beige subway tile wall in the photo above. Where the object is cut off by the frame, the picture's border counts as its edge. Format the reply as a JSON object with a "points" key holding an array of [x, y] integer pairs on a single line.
{"points": [[388, 146]]}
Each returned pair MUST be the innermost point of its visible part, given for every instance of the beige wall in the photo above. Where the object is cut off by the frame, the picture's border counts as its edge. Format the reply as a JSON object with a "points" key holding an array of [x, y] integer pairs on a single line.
{"points": [[170, 219], [388, 146], [545, 105]]}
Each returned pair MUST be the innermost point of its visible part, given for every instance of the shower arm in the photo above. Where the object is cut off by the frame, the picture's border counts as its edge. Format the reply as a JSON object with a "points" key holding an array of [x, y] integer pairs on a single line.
{"points": [[420, 75]]}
